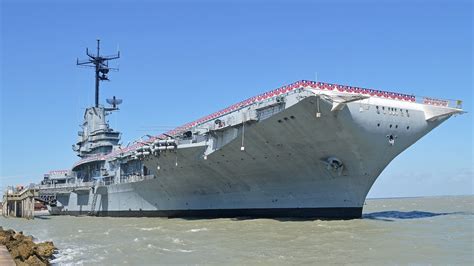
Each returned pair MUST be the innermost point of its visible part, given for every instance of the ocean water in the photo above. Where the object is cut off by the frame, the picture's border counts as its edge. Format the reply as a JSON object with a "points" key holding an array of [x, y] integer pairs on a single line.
{"points": [[432, 230]]}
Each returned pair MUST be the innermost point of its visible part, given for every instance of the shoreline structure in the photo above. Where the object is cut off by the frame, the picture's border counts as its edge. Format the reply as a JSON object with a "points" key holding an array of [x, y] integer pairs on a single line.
{"points": [[24, 251]]}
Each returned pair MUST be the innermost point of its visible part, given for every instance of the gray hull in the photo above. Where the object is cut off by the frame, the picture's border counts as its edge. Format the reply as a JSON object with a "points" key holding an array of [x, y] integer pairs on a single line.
{"points": [[283, 170]]}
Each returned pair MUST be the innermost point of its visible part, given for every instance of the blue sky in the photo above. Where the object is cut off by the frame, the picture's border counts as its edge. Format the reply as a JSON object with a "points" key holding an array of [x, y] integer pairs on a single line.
{"points": [[182, 60]]}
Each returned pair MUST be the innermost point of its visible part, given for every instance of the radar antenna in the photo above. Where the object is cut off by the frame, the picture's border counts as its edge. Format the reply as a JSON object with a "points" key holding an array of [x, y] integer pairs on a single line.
{"points": [[101, 65], [114, 102]]}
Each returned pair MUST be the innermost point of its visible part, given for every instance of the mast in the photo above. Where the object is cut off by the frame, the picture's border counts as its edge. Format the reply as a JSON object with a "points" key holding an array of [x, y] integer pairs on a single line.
{"points": [[96, 136], [101, 66]]}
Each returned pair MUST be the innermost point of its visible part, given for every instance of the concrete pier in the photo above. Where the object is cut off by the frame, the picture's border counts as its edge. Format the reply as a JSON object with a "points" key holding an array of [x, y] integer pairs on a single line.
{"points": [[5, 257], [20, 204]]}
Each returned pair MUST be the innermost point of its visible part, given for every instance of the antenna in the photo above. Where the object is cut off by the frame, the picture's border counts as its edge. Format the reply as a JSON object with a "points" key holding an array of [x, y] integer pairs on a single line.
{"points": [[114, 102], [101, 65]]}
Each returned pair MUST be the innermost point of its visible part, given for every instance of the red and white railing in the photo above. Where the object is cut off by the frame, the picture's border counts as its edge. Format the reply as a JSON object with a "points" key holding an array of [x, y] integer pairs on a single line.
{"points": [[279, 91]]}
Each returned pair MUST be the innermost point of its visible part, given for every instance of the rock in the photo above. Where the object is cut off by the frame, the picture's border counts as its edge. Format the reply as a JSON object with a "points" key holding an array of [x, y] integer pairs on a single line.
{"points": [[45, 249], [19, 236], [25, 263], [24, 251], [6, 232], [34, 260], [7, 239], [4, 239], [18, 262]]}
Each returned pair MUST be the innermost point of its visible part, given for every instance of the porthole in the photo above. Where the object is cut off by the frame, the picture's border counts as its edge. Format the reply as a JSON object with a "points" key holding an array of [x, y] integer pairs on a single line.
{"points": [[396, 126], [292, 117], [408, 127], [378, 124], [279, 121], [390, 125], [383, 107], [286, 118]]}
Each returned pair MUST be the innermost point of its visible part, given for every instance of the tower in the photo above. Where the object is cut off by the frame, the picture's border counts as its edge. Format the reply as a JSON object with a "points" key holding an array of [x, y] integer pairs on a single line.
{"points": [[101, 66], [96, 136]]}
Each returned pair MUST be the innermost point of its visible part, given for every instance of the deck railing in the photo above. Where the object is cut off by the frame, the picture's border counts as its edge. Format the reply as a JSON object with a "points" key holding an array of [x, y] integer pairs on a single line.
{"points": [[439, 102], [136, 178], [285, 90], [100, 182]]}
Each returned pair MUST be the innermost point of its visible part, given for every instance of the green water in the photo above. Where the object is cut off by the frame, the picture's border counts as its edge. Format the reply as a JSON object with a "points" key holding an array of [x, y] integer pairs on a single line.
{"points": [[433, 230]]}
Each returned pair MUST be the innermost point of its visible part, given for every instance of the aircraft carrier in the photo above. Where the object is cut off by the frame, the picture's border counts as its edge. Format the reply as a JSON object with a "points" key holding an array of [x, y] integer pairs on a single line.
{"points": [[307, 149]]}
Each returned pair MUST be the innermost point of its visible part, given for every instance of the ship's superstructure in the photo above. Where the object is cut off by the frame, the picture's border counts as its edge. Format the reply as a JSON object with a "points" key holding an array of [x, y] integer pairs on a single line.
{"points": [[308, 149], [96, 136]]}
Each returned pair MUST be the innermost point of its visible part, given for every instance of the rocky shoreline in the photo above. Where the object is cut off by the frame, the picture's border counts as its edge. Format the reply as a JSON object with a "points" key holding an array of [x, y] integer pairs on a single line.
{"points": [[24, 251]]}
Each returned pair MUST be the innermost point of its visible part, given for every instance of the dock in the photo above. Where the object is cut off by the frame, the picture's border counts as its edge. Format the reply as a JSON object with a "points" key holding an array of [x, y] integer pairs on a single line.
{"points": [[20, 203], [5, 257]]}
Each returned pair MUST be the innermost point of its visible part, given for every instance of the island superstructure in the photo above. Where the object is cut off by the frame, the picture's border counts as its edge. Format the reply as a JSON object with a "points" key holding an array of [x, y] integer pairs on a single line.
{"points": [[307, 149]]}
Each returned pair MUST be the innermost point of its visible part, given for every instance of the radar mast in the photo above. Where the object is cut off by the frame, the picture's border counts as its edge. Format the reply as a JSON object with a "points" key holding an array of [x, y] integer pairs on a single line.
{"points": [[96, 136], [101, 65]]}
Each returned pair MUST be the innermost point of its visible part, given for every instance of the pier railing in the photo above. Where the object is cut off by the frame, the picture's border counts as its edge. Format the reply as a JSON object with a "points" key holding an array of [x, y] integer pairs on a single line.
{"points": [[67, 185]]}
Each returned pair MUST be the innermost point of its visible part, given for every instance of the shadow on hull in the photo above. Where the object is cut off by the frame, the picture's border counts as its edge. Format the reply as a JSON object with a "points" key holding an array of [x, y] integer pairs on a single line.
{"points": [[240, 214]]}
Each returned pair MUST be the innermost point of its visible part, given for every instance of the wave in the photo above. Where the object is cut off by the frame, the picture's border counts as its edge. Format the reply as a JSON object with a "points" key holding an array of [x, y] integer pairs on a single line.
{"points": [[197, 230], [150, 228]]}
